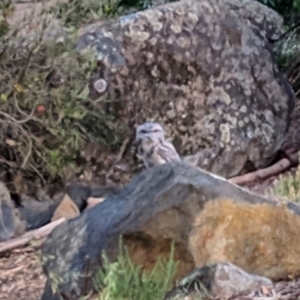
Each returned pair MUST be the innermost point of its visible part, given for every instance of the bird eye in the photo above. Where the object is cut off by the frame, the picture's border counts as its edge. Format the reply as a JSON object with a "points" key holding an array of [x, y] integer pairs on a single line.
{"points": [[143, 131]]}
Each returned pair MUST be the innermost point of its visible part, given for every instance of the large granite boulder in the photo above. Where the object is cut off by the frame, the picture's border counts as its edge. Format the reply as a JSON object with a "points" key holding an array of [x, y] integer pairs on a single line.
{"points": [[204, 70], [209, 219]]}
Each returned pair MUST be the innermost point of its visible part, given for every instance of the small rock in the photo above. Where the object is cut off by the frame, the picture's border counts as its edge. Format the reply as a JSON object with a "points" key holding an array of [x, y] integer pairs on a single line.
{"points": [[222, 280], [91, 202], [66, 209]]}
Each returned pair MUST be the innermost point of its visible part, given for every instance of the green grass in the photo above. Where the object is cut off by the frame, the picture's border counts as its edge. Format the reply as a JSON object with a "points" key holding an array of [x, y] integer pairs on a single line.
{"points": [[123, 280], [288, 187]]}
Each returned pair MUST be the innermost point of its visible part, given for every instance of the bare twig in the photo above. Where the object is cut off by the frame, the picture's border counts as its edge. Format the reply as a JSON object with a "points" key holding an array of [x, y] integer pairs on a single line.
{"points": [[26, 238], [119, 157], [27, 156], [25, 120], [273, 170]]}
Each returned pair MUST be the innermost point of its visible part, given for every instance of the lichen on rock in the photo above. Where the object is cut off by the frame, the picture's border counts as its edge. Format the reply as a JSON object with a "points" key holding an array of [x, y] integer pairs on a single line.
{"points": [[205, 71], [208, 219]]}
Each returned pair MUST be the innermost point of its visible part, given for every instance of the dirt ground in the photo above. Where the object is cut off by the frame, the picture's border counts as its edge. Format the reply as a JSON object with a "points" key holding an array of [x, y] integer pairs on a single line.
{"points": [[21, 275], [21, 278]]}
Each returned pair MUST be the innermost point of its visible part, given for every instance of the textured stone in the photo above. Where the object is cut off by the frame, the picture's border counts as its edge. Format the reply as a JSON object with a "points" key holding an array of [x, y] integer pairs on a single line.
{"points": [[208, 218], [202, 69], [221, 281]]}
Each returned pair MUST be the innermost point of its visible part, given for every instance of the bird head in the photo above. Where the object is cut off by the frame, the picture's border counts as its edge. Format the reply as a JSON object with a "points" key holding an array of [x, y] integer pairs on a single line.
{"points": [[149, 129]]}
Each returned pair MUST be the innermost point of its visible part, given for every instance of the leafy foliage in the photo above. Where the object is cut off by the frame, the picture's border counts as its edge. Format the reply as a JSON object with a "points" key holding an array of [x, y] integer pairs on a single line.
{"points": [[75, 13], [123, 280], [289, 9], [46, 115]]}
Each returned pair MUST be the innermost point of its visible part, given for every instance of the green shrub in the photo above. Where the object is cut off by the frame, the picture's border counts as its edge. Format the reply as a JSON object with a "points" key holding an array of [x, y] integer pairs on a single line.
{"points": [[289, 9], [46, 115], [123, 280]]}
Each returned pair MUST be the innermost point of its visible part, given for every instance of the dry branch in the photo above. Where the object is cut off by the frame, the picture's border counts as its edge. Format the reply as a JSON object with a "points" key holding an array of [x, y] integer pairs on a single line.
{"points": [[273, 170], [26, 238]]}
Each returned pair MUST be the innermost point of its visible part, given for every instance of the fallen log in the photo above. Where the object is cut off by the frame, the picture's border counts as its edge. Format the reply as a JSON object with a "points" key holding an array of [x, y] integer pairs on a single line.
{"points": [[26, 238]]}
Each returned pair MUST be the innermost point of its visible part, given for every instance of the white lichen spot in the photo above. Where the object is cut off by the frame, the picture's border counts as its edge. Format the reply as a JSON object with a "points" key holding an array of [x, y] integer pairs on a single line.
{"points": [[187, 54], [225, 133], [169, 41], [249, 133], [269, 117], [247, 92], [241, 123], [192, 18], [142, 35], [246, 120], [175, 28], [171, 114], [157, 26], [216, 46], [183, 42], [192, 70], [154, 71], [100, 85], [253, 118], [100, 56], [218, 94], [153, 41], [231, 119], [243, 109], [150, 55], [268, 132]]}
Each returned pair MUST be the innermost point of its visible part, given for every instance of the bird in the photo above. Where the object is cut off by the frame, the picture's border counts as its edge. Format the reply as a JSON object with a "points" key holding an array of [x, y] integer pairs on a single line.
{"points": [[152, 146]]}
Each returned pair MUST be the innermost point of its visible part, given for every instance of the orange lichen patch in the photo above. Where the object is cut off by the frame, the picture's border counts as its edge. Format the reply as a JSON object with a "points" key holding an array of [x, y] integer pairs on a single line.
{"points": [[144, 251], [261, 238]]}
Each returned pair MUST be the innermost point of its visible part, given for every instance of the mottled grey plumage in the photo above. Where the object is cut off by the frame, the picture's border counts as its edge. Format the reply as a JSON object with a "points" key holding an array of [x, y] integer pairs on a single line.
{"points": [[152, 147]]}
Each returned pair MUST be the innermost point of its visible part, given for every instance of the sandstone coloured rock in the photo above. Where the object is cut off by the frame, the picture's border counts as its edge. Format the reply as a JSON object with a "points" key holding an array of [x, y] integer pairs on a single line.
{"points": [[66, 209], [209, 219], [205, 71], [221, 281]]}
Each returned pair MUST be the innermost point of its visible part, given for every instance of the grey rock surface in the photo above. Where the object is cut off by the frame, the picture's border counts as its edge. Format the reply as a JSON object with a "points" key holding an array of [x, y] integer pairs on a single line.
{"points": [[162, 203], [205, 71]]}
